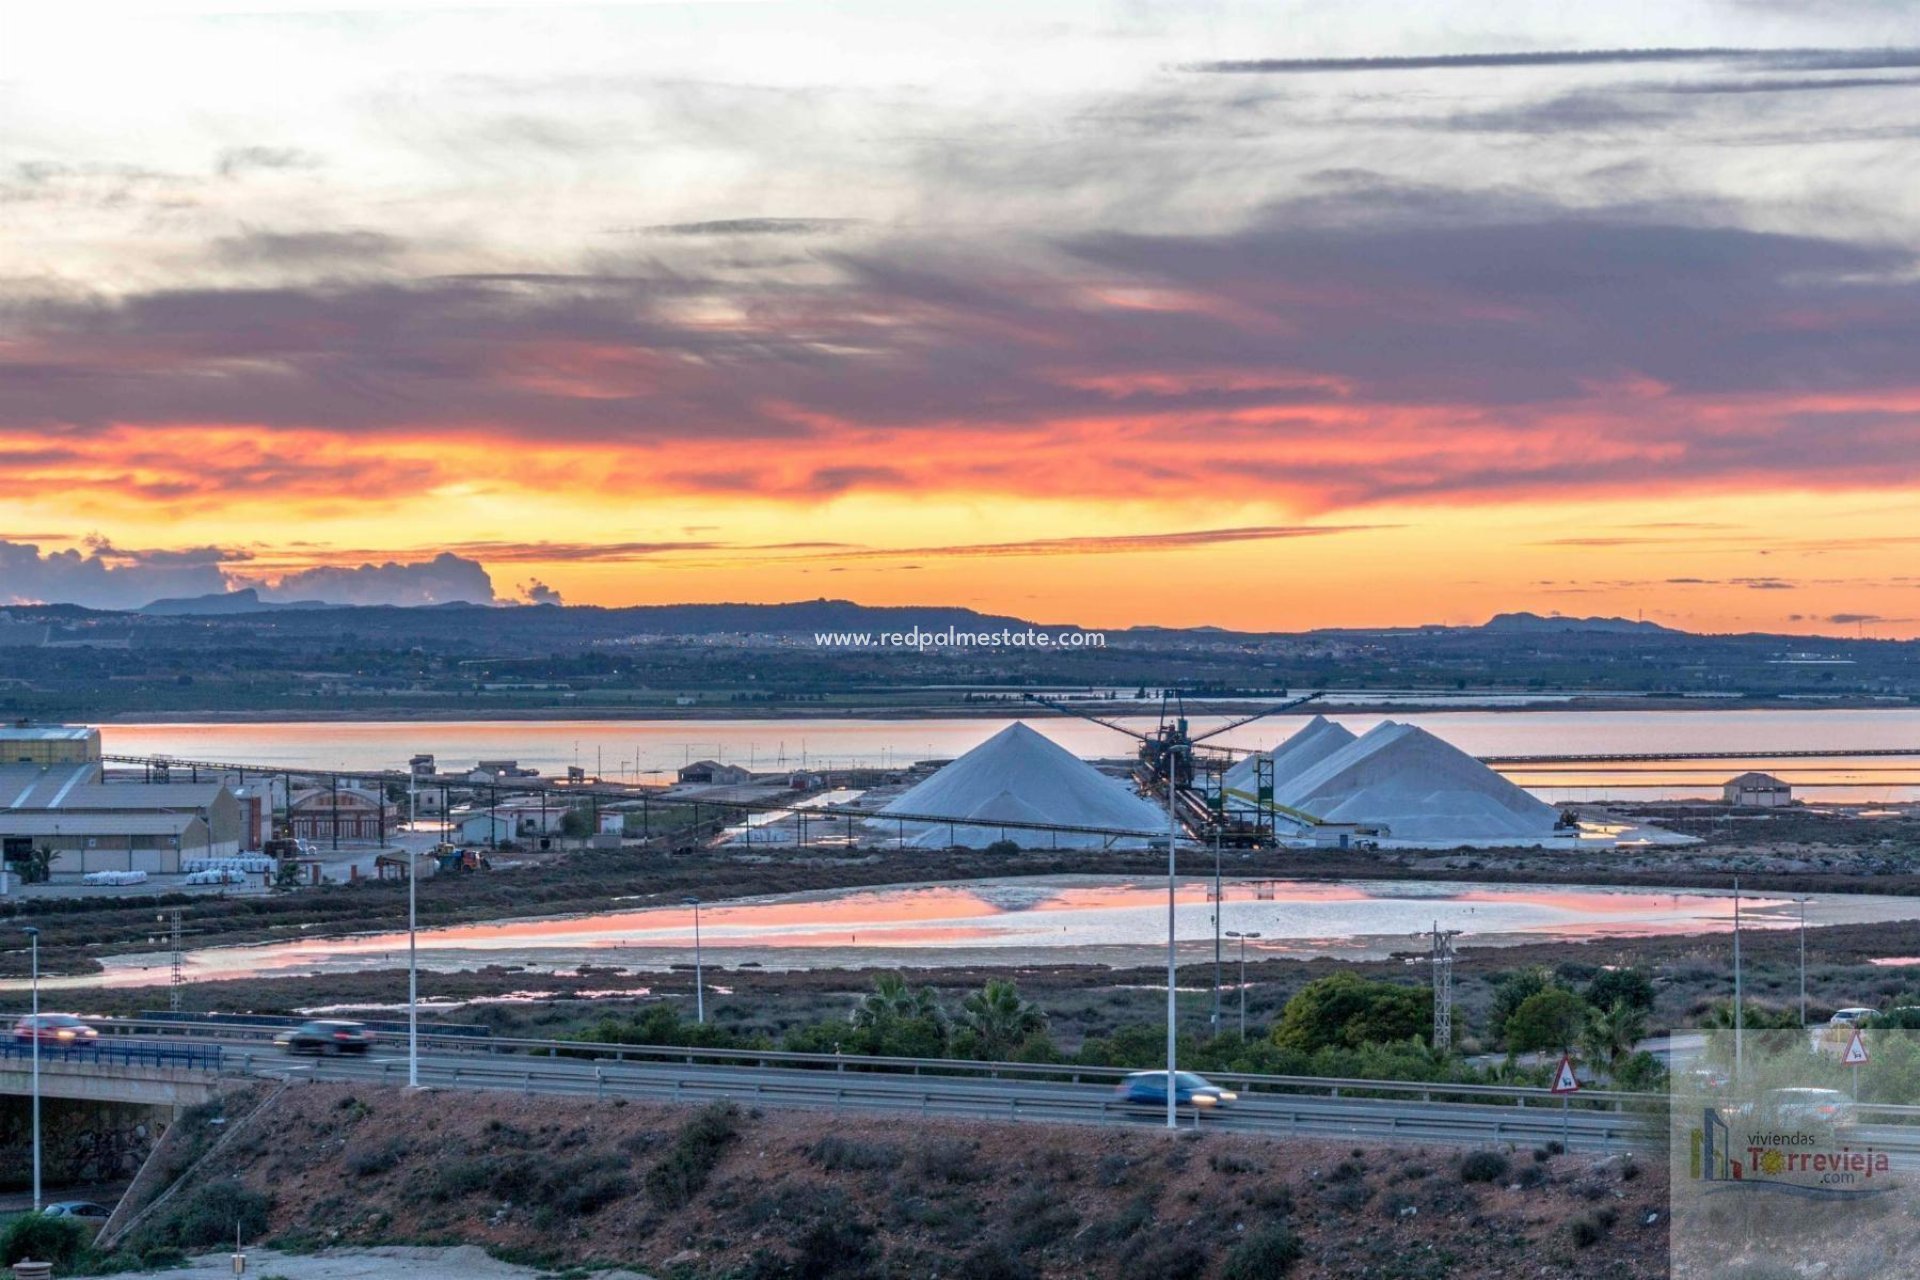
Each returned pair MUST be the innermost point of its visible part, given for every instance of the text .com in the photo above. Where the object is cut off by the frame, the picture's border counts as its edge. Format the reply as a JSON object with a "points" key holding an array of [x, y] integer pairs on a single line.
{"points": [[950, 638]]}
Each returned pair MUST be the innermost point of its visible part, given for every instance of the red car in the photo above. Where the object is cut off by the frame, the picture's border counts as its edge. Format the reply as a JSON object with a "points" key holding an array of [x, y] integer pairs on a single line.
{"points": [[62, 1030]]}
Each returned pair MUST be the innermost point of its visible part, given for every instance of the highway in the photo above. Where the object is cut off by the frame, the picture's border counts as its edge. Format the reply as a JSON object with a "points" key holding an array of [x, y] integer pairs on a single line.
{"points": [[883, 1092], [1283, 1106]]}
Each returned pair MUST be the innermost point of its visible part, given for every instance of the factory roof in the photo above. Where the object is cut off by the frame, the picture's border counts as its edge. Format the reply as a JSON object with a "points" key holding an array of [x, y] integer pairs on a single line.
{"points": [[78, 788], [54, 823], [47, 732]]}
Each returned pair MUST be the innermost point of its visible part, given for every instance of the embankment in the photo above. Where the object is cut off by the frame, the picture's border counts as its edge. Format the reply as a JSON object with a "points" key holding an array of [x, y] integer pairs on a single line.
{"points": [[733, 1193]]}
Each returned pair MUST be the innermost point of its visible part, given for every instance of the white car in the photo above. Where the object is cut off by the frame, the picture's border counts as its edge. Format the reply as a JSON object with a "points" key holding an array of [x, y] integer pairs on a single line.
{"points": [[1849, 1017]]}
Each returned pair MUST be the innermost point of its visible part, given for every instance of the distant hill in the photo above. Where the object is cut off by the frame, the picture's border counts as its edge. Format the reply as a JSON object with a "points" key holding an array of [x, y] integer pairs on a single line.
{"points": [[246, 600], [1534, 623]]}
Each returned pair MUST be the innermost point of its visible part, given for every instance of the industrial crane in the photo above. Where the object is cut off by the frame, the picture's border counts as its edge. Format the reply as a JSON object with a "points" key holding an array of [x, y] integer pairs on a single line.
{"points": [[1169, 748]]}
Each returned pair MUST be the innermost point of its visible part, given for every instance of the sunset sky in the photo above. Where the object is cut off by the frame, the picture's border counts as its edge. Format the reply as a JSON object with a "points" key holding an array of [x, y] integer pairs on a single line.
{"points": [[1266, 316]]}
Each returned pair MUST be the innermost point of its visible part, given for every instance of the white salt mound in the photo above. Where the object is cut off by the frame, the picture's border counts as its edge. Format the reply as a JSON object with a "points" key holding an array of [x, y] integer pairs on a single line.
{"points": [[1422, 788], [1019, 775], [1316, 740]]}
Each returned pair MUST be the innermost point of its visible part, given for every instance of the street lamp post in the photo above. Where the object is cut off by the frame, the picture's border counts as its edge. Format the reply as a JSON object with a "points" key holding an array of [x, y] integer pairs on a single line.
{"points": [[1217, 899], [1803, 960], [699, 978], [413, 969], [1739, 1014], [1172, 760], [33, 943], [1243, 978]]}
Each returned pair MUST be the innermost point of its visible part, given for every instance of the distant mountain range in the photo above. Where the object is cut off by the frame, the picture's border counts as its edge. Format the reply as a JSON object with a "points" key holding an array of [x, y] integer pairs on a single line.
{"points": [[221, 603], [809, 616], [1533, 622]]}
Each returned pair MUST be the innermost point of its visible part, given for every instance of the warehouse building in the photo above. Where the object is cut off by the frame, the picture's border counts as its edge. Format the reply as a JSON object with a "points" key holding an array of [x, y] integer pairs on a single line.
{"points": [[25, 743], [89, 824], [344, 814], [1757, 791], [713, 773]]}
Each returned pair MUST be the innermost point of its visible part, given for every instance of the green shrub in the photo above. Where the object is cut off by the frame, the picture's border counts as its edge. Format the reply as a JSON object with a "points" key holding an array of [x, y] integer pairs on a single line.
{"points": [[368, 1161], [207, 1219], [838, 1155], [1266, 1254], [684, 1171], [993, 1262], [1165, 1260], [1589, 1229], [1484, 1166], [834, 1246], [43, 1239], [947, 1160]]}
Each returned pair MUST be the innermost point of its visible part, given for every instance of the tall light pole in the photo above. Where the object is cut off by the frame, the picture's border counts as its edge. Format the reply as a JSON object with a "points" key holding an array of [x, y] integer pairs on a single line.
{"points": [[413, 970], [699, 977], [1739, 1014], [1217, 901], [1172, 759], [1243, 978], [1803, 961], [33, 943]]}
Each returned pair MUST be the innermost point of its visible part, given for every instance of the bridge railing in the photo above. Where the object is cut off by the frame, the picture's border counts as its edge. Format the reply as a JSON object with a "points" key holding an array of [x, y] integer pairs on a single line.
{"points": [[118, 1054]]}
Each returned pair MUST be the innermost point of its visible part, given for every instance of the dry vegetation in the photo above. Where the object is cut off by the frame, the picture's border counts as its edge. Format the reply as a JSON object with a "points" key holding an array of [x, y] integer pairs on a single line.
{"points": [[722, 1192]]}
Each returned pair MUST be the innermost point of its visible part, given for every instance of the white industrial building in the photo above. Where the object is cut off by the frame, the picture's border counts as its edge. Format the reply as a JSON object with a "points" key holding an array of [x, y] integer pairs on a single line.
{"points": [[92, 825], [1757, 791]]}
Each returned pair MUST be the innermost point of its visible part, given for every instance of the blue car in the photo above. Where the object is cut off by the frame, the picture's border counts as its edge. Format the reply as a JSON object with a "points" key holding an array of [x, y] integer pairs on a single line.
{"points": [[1149, 1088]]}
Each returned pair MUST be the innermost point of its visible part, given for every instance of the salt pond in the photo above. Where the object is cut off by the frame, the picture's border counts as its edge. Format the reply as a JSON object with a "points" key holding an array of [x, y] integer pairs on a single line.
{"points": [[1021, 921]]}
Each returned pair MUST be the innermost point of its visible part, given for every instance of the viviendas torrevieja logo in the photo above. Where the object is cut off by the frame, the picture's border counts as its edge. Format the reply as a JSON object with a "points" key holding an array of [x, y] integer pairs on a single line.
{"points": [[1795, 1151], [1818, 1161]]}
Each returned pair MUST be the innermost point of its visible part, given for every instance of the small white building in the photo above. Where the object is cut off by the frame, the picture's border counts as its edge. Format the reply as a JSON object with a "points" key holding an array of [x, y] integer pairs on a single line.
{"points": [[487, 828], [713, 773], [1757, 791]]}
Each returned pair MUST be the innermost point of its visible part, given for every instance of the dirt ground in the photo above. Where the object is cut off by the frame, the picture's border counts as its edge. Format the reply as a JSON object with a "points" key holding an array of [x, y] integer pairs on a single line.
{"points": [[463, 1262], [672, 1190]]}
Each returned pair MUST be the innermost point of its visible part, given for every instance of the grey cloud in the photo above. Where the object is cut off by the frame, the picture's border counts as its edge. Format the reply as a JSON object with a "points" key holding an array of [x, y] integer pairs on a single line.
{"points": [[1792, 86], [237, 161], [538, 592], [102, 578], [1794, 59], [753, 227], [305, 248], [445, 579], [1372, 293]]}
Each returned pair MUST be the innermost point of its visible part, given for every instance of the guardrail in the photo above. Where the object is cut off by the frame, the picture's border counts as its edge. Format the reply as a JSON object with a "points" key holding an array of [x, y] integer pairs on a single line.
{"points": [[179, 1057], [852, 1064], [1300, 1116]]}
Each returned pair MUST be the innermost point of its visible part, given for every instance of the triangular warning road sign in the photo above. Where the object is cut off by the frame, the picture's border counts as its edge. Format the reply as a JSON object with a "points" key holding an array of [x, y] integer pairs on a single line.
{"points": [[1564, 1081], [1856, 1054]]}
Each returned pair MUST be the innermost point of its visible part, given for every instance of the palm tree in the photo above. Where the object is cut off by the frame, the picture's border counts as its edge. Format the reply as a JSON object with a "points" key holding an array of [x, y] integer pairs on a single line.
{"points": [[40, 865], [1000, 1020], [892, 1000], [1611, 1034]]}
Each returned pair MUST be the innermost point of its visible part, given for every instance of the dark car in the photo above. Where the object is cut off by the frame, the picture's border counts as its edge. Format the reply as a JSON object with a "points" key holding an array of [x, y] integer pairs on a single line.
{"points": [[326, 1035], [1149, 1088], [60, 1030]]}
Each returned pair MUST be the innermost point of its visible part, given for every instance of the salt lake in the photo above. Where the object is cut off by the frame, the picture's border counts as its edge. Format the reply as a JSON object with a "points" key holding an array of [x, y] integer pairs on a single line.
{"points": [[1022, 921]]}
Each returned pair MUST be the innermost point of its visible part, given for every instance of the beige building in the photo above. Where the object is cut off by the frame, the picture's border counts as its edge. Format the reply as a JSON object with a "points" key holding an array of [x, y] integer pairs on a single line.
{"points": [[1757, 791], [25, 743], [91, 824]]}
